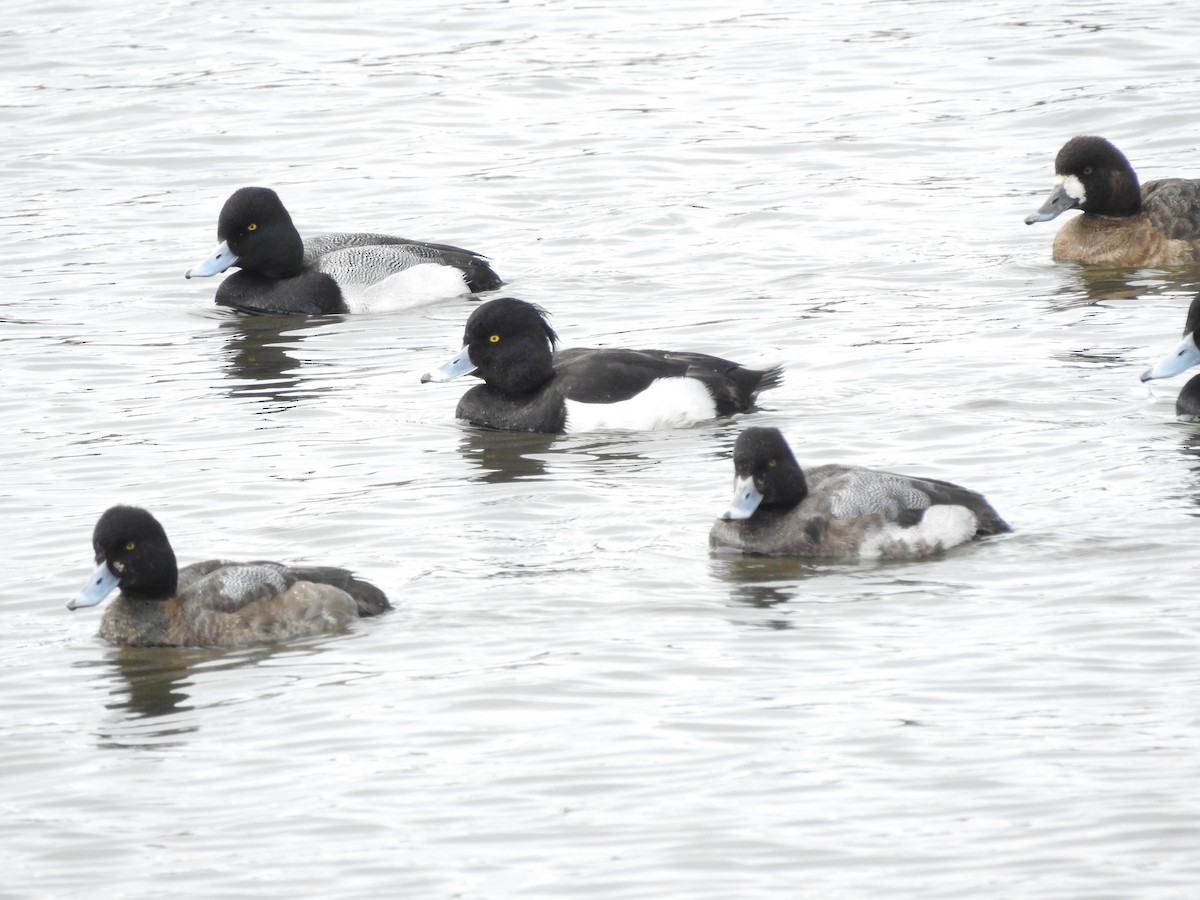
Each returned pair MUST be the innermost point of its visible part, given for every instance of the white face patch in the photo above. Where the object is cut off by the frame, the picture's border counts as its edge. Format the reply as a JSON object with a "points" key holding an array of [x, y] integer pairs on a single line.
{"points": [[1072, 187], [666, 403]]}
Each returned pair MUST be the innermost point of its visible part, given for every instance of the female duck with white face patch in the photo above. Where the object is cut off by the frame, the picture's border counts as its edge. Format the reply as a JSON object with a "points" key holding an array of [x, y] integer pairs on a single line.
{"points": [[530, 386], [282, 273], [1123, 224], [841, 512], [214, 603]]}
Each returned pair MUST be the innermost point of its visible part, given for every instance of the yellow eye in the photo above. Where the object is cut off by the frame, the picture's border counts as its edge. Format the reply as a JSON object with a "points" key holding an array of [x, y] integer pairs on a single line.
{"points": [[251, 227], [771, 464], [130, 545], [1087, 170], [495, 339]]}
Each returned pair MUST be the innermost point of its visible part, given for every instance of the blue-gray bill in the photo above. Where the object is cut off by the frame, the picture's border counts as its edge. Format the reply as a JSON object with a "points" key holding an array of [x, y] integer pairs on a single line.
{"points": [[1186, 355], [102, 583], [220, 260], [461, 364], [746, 498], [1057, 203]]}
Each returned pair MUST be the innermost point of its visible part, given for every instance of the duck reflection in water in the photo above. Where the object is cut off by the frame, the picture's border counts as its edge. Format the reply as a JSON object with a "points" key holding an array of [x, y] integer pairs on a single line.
{"points": [[1100, 286], [510, 456], [768, 583], [147, 696], [257, 347], [150, 683], [150, 688], [505, 456]]}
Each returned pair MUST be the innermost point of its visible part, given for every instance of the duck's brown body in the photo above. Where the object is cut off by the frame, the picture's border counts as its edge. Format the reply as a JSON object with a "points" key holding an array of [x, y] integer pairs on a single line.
{"points": [[1166, 232]]}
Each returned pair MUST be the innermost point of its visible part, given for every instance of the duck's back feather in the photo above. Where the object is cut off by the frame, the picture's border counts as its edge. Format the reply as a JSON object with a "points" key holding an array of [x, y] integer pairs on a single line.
{"points": [[611, 376], [1173, 206], [847, 492], [366, 258]]}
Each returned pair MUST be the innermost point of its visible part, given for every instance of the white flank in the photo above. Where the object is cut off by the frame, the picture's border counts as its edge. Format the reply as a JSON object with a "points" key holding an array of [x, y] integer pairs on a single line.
{"points": [[666, 403], [941, 528], [1072, 187], [413, 286]]}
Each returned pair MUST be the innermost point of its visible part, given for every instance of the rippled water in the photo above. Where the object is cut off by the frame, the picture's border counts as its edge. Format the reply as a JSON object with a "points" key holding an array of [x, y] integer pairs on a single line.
{"points": [[573, 697]]}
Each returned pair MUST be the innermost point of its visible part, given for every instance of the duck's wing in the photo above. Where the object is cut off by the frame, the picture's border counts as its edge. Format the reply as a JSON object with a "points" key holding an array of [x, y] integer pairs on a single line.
{"points": [[1173, 206], [363, 258], [222, 586], [945, 493], [321, 244], [191, 574], [611, 375], [849, 492]]}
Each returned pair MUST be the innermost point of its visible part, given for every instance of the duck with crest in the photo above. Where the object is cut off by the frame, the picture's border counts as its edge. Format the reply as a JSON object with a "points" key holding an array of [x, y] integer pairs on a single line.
{"points": [[530, 385]]}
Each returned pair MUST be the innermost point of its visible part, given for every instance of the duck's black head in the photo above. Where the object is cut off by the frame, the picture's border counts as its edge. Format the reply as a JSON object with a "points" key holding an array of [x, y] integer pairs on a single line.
{"points": [[511, 344], [1098, 177], [135, 548], [766, 474], [258, 230]]}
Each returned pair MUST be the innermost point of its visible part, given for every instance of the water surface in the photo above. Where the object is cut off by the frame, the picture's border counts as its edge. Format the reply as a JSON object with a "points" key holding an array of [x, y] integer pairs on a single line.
{"points": [[573, 697]]}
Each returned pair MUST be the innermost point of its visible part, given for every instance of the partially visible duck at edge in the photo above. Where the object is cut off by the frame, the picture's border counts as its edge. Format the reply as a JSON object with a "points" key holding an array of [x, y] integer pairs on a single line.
{"points": [[1156, 224], [1182, 358], [213, 603], [282, 273], [841, 512], [531, 386]]}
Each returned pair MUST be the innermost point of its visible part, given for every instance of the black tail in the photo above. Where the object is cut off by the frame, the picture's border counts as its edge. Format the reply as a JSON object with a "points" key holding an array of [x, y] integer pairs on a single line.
{"points": [[478, 269], [481, 276], [989, 520], [742, 386], [770, 378], [370, 599]]}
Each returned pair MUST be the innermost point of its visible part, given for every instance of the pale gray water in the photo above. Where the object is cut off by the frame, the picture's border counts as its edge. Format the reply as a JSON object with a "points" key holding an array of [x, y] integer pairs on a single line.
{"points": [[573, 698]]}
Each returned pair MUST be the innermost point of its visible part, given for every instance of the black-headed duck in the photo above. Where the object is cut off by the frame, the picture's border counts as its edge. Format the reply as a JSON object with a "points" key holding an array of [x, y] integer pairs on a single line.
{"points": [[1123, 224], [841, 512], [531, 386], [214, 603], [282, 273]]}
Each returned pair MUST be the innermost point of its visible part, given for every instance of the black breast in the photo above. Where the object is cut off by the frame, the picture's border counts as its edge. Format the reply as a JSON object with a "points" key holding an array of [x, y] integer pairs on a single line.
{"points": [[309, 293], [542, 410]]}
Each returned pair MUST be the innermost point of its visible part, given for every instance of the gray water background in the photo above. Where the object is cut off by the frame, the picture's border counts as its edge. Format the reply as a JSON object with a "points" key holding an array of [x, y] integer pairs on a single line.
{"points": [[574, 698]]}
